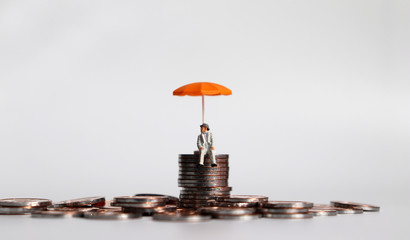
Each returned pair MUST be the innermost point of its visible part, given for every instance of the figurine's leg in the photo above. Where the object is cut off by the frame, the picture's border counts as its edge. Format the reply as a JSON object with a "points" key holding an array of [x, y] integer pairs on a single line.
{"points": [[202, 153], [211, 154]]}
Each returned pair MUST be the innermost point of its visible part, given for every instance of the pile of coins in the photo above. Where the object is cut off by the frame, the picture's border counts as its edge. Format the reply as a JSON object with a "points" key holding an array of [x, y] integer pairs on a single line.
{"points": [[164, 208], [202, 185]]}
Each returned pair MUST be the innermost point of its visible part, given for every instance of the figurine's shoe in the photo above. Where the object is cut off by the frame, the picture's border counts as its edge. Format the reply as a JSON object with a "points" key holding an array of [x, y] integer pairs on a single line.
{"points": [[214, 165], [199, 165]]}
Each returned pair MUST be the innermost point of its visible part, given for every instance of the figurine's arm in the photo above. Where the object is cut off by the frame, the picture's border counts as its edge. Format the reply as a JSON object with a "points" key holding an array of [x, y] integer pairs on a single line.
{"points": [[212, 142], [198, 143]]}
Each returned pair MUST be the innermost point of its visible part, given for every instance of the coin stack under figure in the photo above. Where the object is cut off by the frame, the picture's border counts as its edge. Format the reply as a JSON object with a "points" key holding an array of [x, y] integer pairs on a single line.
{"points": [[202, 185]]}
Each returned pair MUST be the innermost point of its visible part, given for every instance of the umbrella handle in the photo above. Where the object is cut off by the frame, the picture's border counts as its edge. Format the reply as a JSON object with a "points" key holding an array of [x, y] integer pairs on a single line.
{"points": [[203, 109]]}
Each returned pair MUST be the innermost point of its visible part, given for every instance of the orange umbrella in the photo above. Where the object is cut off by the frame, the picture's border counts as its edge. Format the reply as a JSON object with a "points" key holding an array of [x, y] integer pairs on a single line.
{"points": [[202, 89]]}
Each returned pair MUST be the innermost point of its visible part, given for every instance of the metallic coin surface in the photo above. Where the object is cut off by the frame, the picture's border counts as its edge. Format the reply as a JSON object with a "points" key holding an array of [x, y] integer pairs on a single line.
{"points": [[204, 169], [213, 173], [25, 202], [210, 189], [232, 204], [288, 216], [365, 207], [244, 217], [18, 210], [194, 165], [197, 197], [56, 214], [323, 212], [204, 185], [82, 202], [284, 210], [188, 177], [167, 208], [139, 205], [350, 211], [227, 210], [223, 181], [110, 215], [180, 216], [141, 199], [171, 199], [70, 209], [244, 198], [287, 204]]}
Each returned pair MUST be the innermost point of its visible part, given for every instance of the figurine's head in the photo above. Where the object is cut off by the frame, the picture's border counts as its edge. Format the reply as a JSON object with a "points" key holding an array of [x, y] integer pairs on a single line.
{"points": [[204, 127]]}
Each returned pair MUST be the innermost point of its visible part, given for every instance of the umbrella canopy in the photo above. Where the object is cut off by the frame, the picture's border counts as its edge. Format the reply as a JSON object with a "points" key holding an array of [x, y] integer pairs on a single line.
{"points": [[202, 89]]}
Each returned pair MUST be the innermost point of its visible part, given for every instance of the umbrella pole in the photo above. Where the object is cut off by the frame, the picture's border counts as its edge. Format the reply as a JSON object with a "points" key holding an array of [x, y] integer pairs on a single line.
{"points": [[203, 109]]}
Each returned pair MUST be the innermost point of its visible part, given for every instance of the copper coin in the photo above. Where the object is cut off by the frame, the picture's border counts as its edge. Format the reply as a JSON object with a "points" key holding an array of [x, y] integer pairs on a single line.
{"points": [[227, 210], [109, 215], [171, 199], [18, 210], [323, 212], [240, 204], [82, 202], [141, 199], [139, 205], [244, 217], [206, 165], [56, 214], [287, 204], [207, 169], [185, 177], [209, 189], [244, 198], [196, 197], [145, 211], [180, 216], [284, 210], [288, 216], [24, 202], [365, 207], [195, 173]]}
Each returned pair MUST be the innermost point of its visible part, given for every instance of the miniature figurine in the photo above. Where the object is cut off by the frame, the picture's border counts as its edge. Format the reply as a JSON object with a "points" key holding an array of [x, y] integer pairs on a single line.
{"points": [[205, 145]]}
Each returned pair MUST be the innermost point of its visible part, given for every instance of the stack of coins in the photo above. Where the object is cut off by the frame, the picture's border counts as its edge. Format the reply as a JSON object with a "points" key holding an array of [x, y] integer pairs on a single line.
{"points": [[286, 209], [241, 201], [146, 205], [201, 185], [230, 213], [20, 206]]}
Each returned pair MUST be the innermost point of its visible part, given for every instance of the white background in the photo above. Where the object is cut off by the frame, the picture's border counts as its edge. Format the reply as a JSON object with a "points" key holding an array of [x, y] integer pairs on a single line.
{"points": [[320, 108]]}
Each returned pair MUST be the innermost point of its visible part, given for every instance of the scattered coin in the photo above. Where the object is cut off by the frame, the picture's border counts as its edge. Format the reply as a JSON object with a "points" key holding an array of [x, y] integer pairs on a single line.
{"points": [[287, 204], [227, 210], [238, 217], [323, 212], [365, 207], [284, 210], [171, 199], [110, 215], [288, 216], [18, 210], [56, 214], [82, 202], [25, 202], [141, 199], [181, 216]]}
